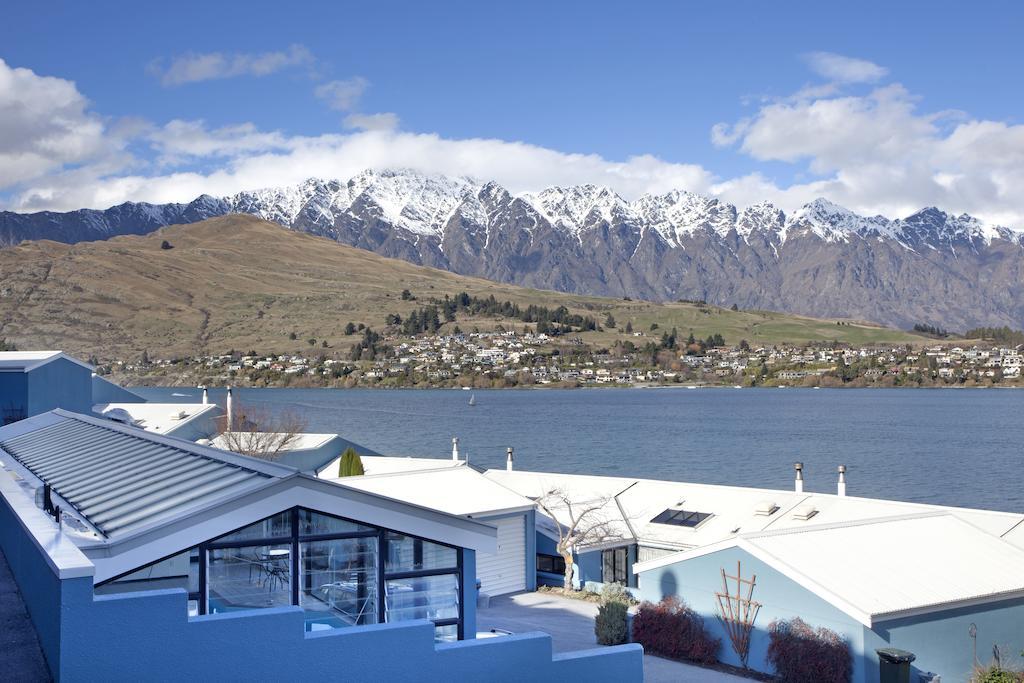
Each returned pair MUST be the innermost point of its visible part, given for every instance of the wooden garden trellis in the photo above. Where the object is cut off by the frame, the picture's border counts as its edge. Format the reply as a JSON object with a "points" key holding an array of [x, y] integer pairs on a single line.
{"points": [[737, 611]]}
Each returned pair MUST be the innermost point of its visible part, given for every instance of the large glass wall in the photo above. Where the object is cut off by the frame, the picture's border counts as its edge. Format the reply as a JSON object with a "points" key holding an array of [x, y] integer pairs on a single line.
{"points": [[342, 573]]}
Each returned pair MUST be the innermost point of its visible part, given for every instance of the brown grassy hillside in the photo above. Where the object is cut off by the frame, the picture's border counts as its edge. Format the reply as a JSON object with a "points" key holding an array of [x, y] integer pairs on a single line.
{"points": [[239, 282]]}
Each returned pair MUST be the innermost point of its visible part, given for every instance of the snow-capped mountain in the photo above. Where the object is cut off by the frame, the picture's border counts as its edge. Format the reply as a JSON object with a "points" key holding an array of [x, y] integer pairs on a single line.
{"points": [[823, 259]]}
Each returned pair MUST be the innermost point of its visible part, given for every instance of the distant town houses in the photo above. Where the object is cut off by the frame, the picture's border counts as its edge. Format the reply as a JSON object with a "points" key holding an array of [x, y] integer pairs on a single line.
{"points": [[506, 358]]}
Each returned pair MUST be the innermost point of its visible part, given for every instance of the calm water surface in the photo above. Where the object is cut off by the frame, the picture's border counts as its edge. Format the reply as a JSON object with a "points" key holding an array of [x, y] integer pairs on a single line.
{"points": [[955, 447]]}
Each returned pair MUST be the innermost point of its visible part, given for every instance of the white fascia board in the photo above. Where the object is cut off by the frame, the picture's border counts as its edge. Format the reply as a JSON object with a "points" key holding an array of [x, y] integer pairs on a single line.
{"points": [[943, 606]]}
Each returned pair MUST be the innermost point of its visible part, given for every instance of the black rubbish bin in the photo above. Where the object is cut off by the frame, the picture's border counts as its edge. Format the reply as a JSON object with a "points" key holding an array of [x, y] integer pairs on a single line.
{"points": [[894, 665]]}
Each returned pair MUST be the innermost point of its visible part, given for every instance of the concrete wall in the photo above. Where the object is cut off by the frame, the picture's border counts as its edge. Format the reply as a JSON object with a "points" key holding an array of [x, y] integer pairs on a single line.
{"points": [[148, 636], [697, 580], [59, 384]]}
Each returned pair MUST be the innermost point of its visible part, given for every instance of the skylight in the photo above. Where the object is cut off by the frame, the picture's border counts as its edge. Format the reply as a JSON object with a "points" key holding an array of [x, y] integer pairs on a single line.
{"points": [[685, 518]]}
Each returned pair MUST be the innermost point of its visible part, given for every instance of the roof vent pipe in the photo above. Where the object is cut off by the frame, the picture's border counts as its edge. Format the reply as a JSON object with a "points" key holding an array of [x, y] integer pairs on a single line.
{"points": [[231, 411], [508, 460], [455, 448], [206, 394], [798, 485], [842, 480]]}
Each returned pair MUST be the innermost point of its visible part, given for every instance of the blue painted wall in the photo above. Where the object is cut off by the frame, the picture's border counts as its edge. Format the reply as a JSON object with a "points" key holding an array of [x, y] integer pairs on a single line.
{"points": [[59, 384], [149, 637], [941, 640], [697, 580], [13, 394], [105, 391], [587, 565]]}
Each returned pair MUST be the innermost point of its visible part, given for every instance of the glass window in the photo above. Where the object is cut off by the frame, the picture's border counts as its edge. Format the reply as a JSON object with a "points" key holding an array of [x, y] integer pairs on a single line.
{"points": [[446, 634], [179, 571], [613, 565], [425, 597], [278, 526], [316, 524], [551, 564], [249, 577], [406, 553], [339, 582]]}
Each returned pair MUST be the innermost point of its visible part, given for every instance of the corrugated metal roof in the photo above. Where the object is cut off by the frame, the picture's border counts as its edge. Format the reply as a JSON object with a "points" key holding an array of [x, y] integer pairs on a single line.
{"points": [[24, 361], [121, 479]]}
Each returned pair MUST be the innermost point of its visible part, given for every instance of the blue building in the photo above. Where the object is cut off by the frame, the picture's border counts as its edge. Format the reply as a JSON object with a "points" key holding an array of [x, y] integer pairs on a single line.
{"points": [[33, 382], [922, 583], [147, 557]]}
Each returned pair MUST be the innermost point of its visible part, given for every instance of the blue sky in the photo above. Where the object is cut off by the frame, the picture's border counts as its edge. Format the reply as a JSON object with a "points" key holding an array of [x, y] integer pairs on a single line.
{"points": [[615, 81]]}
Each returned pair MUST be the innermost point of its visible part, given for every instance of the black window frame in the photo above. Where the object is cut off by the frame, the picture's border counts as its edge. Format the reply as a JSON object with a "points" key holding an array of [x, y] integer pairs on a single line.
{"points": [[619, 564], [689, 519], [294, 538]]}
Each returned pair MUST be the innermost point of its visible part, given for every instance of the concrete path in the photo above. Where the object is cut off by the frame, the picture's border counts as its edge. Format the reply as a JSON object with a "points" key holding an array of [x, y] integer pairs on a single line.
{"points": [[21, 660], [571, 625]]}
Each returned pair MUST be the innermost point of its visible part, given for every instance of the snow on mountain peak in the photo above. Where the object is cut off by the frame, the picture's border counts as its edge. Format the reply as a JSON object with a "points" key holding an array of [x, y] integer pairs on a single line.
{"points": [[571, 208]]}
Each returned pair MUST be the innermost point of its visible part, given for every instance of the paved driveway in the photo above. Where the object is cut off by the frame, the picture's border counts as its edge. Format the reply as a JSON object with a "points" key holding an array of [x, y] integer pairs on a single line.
{"points": [[571, 625]]}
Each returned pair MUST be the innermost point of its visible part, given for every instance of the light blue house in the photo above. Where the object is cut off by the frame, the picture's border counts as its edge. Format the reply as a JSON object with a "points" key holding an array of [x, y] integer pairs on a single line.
{"points": [[145, 557], [105, 391], [33, 382], [922, 583]]}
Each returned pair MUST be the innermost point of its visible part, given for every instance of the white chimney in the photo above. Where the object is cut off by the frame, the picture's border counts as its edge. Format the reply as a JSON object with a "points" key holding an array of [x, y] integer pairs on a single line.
{"points": [[799, 483], [455, 448], [231, 411], [206, 394], [508, 460], [842, 480]]}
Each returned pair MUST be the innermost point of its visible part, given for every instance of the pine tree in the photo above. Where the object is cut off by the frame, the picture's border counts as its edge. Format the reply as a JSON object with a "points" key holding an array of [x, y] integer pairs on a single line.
{"points": [[350, 465], [629, 328]]}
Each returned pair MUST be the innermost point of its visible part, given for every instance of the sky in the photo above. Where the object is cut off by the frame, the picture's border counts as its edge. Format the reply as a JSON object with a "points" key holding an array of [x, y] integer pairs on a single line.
{"points": [[881, 107]]}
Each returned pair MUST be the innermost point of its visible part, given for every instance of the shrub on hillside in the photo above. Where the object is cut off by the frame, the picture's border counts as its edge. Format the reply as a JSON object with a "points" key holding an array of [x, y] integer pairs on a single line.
{"points": [[671, 629], [610, 624], [803, 654]]}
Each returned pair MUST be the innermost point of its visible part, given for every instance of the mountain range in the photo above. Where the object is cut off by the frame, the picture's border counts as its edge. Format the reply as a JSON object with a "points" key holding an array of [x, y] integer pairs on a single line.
{"points": [[822, 260]]}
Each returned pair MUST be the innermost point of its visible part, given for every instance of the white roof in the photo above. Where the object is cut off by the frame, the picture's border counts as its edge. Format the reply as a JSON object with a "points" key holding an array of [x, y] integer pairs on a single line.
{"points": [[882, 569], [385, 464], [28, 360], [734, 510], [298, 442], [455, 490], [159, 418]]}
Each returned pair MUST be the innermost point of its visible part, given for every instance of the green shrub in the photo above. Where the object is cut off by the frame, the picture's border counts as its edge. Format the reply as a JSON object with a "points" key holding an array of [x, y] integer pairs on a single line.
{"points": [[351, 465], [996, 674], [610, 623]]}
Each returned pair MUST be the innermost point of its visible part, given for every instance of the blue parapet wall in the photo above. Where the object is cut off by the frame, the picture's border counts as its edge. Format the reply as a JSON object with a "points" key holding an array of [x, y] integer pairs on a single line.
{"points": [[148, 636]]}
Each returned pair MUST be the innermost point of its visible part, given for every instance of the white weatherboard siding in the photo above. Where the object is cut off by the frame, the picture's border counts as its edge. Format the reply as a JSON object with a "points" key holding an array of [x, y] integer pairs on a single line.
{"points": [[504, 571]]}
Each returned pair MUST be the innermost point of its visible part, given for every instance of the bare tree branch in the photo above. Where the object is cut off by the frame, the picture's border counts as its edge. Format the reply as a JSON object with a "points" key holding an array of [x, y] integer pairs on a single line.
{"points": [[257, 432], [587, 525]]}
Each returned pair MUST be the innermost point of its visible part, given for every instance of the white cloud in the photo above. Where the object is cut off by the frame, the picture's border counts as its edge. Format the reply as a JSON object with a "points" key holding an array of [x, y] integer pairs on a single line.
{"points": [[874, 151], [381, 121], [194, 67], [342, 95], [45, 124], [284, 160], [841, 69]]}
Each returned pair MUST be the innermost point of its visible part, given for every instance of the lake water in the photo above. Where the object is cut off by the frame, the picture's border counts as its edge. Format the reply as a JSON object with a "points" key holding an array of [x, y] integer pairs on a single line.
{"points": [[954, 447]]}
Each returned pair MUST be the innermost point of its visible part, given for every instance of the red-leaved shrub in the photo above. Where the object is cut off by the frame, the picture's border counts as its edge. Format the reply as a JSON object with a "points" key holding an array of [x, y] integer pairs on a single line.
{"points": [[804, 654], [671, 629]]}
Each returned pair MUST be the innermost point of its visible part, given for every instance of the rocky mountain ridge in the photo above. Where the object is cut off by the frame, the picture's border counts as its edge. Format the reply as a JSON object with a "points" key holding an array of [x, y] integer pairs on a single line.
{"points": [[821, 260]]}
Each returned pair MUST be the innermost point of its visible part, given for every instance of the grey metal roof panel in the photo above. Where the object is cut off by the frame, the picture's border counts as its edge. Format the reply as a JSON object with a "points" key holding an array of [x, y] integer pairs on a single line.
{"points": [[120, 479]]}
